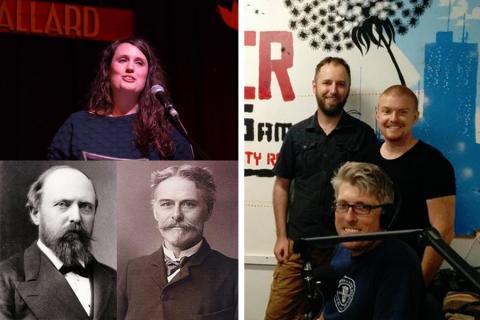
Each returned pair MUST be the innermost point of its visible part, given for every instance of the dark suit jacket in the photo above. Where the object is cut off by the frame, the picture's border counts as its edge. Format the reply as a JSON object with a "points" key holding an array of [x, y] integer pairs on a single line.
{"points": [[205, 288], [32, 288]]}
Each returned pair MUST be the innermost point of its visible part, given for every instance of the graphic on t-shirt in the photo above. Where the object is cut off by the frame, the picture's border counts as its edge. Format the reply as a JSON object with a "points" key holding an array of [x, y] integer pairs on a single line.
{"points": [[345, 293]]}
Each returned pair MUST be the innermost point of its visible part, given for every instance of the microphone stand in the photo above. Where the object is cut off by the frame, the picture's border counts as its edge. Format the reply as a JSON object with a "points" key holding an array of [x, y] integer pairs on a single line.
{"points": [[430, 237], [174, 118], [308, 280]]}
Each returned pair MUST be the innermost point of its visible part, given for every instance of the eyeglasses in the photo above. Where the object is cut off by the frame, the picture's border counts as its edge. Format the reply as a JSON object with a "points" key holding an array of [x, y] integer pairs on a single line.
{"points": [[359, 208]]}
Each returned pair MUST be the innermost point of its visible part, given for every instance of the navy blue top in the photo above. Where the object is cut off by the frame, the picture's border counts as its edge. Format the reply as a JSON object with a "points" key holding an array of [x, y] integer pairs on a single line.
{"points": [[86, 136], [384, 283]]}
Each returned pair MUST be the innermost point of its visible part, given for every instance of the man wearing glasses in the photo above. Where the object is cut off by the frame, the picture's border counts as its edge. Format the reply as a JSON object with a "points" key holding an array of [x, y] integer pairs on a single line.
{"points": [[379, 279], [311, 151]]}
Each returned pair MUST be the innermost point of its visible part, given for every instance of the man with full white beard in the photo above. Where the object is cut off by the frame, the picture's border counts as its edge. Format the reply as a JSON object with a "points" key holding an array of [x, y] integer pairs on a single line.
{"points": [[57, 277], [377, 279], [184, 278]]}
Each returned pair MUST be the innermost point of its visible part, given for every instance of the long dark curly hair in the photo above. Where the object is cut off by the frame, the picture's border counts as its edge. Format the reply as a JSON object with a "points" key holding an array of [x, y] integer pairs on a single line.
{"points": [[151, 128]]}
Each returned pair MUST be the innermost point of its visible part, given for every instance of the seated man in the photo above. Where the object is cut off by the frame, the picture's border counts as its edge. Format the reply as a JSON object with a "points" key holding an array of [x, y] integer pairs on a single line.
{"points": [[377, 279]]}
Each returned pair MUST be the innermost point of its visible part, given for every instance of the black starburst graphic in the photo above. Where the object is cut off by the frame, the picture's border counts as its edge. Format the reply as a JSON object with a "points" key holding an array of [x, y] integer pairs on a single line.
{"points": [[336, 25]]}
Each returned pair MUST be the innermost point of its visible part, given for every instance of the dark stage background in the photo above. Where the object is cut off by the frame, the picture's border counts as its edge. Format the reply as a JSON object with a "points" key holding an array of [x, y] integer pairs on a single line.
{"points": [[45, 79]]}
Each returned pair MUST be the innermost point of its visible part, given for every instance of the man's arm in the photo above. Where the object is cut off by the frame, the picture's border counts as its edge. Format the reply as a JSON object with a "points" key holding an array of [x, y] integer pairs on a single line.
{"points": [[441, 213], [280, 207]]}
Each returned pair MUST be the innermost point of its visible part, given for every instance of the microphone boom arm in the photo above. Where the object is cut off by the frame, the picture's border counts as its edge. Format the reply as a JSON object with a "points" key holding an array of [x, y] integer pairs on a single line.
{"points": [[429, 236]]}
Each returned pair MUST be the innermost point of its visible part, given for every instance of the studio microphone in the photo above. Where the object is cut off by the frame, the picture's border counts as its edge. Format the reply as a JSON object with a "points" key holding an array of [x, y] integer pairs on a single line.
{"points": [[327, 280], [159, 92], [320, 286]]}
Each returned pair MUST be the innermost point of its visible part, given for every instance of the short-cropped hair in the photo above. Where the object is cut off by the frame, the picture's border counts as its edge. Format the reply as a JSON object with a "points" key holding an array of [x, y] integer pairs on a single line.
{"points": [[334, 60], [201, 177], [401, 90], [367, 177]]}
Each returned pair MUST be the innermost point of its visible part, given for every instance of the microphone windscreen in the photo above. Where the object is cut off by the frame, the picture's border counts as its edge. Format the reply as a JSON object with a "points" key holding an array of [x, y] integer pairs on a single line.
{"points": [[157, 89], [327, 279]]}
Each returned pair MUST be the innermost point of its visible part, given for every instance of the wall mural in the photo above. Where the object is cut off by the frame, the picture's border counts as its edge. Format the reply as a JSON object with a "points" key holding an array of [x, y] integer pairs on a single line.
{"points": [[430, 46]]}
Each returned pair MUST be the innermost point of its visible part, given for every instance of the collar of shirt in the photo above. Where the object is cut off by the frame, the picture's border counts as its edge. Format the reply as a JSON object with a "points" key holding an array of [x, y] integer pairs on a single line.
{"points": [[185, 253], [344, 122], [51, 255]]}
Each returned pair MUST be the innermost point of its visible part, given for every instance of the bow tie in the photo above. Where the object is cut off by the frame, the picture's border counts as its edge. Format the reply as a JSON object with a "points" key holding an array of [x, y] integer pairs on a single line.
{"points": [[76, 268], [174, 265]]}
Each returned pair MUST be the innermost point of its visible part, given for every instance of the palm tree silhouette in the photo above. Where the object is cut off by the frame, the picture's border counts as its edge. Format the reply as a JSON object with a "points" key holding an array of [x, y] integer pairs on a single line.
{"points": [[342, 24]]}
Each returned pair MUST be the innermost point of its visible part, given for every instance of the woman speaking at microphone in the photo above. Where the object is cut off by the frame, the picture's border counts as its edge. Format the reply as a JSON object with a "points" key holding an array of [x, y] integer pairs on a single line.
{"points": [[123, 119]]}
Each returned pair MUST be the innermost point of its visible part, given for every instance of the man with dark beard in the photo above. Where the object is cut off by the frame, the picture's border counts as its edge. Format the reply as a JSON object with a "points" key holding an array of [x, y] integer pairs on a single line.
{"points": [[302, 195], [57, 277], [184, 278]]}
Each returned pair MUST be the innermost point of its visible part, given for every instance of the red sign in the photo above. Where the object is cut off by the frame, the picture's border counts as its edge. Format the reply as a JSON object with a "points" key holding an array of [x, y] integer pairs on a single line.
{"points": [[65, 20]]}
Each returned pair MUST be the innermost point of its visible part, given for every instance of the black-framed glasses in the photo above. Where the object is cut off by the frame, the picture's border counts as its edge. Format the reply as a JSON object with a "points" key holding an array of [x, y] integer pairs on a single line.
{"points": [[359, 208]]}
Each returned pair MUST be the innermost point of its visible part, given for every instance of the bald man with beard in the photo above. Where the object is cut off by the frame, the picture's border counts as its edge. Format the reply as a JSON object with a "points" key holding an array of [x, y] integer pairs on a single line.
{"points": [[57, 277]]}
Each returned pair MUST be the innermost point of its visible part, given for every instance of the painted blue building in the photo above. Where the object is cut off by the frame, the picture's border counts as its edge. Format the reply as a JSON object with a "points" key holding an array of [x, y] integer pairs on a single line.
{"points": [[450, 85]]}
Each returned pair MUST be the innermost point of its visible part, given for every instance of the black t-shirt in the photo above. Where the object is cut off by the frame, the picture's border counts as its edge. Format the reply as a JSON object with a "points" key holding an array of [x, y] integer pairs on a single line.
{"points": [[420, 174], [308, 158]]}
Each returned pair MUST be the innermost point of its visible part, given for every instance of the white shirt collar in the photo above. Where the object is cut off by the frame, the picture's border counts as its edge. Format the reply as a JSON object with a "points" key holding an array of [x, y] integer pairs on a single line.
{"points": [[51, 255], [185, 253]]}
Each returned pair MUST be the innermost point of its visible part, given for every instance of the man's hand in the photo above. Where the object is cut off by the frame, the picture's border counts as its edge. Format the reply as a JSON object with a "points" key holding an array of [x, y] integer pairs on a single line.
{"points": [[281, 249], [280, 205]]}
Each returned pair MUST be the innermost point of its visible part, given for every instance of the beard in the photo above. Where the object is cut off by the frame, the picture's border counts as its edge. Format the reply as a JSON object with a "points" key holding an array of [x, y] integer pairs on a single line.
{"points": [[70, 245], [330, 111]]}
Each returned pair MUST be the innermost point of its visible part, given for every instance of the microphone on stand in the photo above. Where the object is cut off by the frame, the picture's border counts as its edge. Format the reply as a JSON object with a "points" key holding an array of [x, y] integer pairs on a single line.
{"points": [[429, 236], [159, 92], [327, 279], [320, 285]]}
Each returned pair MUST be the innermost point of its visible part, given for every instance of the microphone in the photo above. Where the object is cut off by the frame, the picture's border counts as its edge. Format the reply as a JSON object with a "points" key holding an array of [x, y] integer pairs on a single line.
{"points": [[430, 236], [159, 92], [327, 279], [320, 286]]}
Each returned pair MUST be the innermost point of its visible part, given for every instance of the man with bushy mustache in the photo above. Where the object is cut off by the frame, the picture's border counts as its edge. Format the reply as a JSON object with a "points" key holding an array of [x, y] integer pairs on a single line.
{"points": [[185, 278], [57, 277]]}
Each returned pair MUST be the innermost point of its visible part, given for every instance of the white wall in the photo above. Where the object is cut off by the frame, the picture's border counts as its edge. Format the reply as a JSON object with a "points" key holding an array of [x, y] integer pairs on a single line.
{"points": [[257, 289]]}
